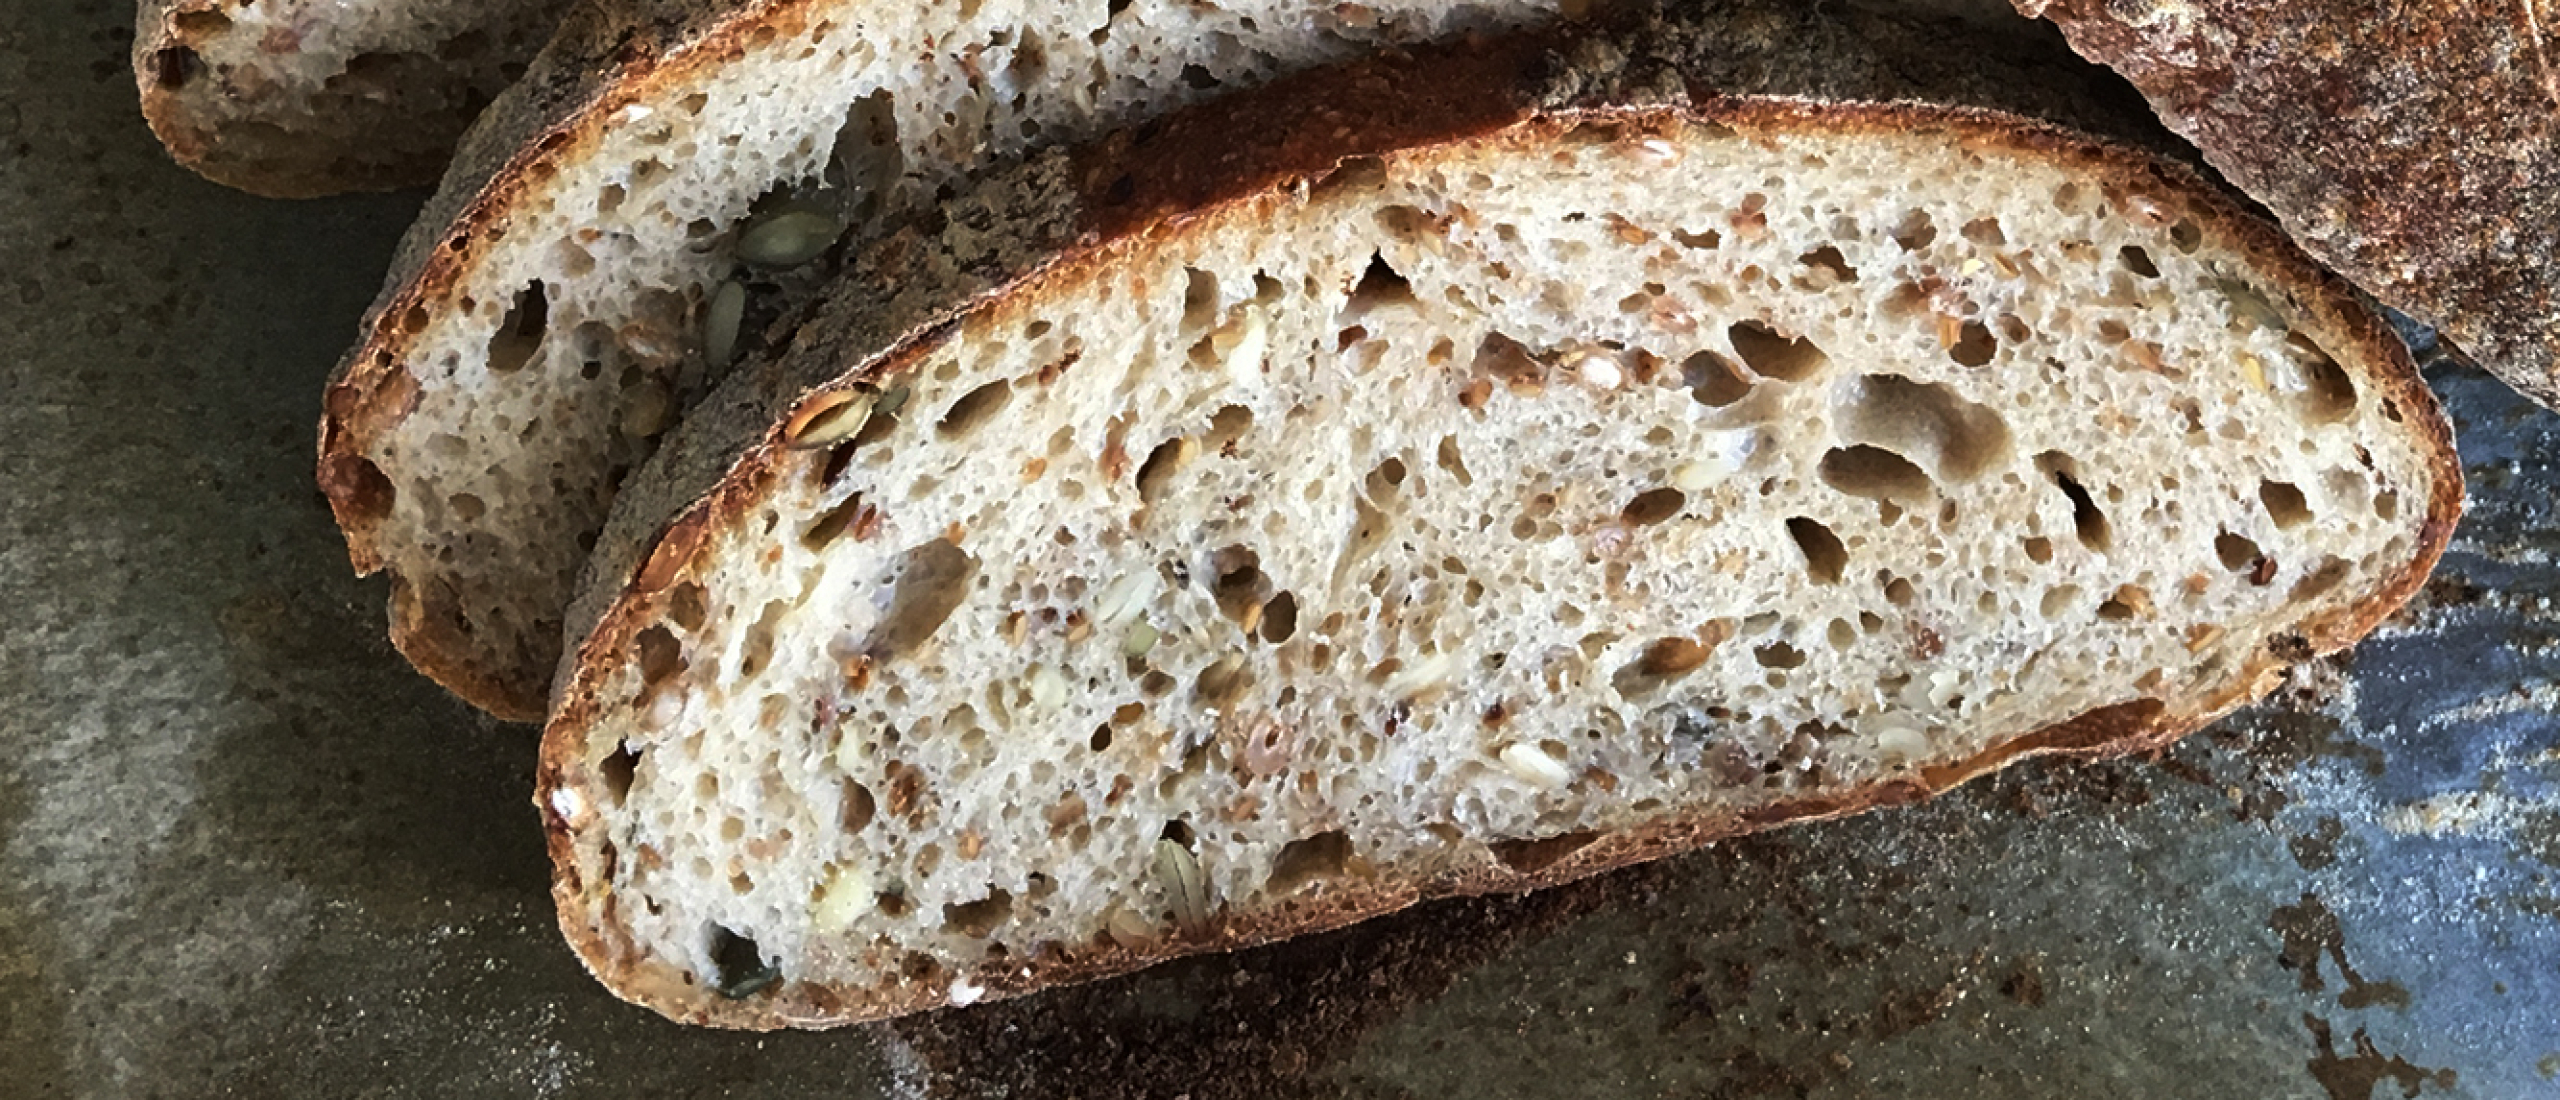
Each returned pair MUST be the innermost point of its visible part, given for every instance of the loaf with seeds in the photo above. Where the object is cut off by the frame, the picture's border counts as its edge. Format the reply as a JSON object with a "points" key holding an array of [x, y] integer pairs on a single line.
{"points": [[1454, 473], [634, 214]]}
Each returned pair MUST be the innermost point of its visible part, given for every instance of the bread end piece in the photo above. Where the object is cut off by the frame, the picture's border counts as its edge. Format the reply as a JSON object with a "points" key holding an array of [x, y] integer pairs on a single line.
{"points": [[2410, 147], [293, 99]]}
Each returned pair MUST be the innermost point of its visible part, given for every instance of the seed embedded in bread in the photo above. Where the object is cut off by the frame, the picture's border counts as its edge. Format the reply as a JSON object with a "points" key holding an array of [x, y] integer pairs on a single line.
{"points": [[1374, 640], [703, 199]]}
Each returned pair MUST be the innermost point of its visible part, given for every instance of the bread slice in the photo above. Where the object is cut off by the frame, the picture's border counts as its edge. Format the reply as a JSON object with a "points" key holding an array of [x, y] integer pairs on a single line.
{"points": [[2410, 146], [555, 307], [299, 98], [1383, 493]]}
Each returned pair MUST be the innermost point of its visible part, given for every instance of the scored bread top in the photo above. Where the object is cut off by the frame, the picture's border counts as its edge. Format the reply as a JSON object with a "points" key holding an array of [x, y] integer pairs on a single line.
{"points": [[674, 580]]}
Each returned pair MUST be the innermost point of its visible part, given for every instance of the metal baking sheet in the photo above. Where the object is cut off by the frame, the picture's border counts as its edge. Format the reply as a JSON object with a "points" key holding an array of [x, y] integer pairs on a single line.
{"points": [[245, 852]]}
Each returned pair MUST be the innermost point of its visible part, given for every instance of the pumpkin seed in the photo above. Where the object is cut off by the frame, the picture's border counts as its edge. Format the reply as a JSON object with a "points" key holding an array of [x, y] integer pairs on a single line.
{"points": [[831, 419], [720, 323], [789, 238]]}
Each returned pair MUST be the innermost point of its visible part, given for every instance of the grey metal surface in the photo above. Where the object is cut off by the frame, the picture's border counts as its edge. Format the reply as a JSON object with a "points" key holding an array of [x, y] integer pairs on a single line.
{"points": [[245, 852]]}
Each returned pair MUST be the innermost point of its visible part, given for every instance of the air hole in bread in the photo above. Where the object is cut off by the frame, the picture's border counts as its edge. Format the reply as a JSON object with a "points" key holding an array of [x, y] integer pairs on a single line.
{"points": [[1915, 232], [1702, 240], [853, 516], [1509, 363], [617, 770], [866, 159], [2239, 553], [857, 807], [519, 334], [1379, 286], [1280, 618], [1825, 267], [1653, 506], [2125, 603], [2087, 521], [1824, 556], [1922, 422], [2138, 261], [1159, 468], [1974, 345], [978, 919], [1985, 232], [974, 409], [1778, 655], [1713, 380], [2039, 549], [1770, 355], [1226, 427], [661, 656], [1238, 585], [755, 652], [2386, 505], [1309, 860], [2285, 504], [739, 967], [1875, 473], [932, 579], [1528, 857], [1199, 299]]}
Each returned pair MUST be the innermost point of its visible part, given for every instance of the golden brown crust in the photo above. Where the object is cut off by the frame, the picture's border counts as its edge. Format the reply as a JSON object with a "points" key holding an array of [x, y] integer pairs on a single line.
{"points": [[1181, 172]]}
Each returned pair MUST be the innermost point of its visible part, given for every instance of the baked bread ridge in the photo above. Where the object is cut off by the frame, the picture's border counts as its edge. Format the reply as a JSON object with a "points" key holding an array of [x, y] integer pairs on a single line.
{"points": [[2409, 147], [578, 781], [298, 99], [546, 317]]}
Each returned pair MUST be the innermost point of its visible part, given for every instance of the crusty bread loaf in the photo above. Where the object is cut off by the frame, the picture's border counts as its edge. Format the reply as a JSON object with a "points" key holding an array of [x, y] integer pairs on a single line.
{"points": [[1377, 492], [298, 98], [2412, 146], [559, 300]]}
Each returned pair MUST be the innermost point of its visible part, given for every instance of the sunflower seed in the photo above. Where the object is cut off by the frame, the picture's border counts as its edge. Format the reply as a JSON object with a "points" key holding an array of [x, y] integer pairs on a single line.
{"points": [[1179, 872], [1533, 766]]}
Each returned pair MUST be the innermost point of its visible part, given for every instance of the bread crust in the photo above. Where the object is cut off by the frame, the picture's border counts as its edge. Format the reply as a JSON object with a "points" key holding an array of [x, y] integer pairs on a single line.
{"points": [[1156, 180], [404, 86], [2412, 146]]}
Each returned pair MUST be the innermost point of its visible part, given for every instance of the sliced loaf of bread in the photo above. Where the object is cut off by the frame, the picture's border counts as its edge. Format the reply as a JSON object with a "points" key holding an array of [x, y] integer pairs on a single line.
{"points": [[635, 212], [1451, 474], [299, 98]]}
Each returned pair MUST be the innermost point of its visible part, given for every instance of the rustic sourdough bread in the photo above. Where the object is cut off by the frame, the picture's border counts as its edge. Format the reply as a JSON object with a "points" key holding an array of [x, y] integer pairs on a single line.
{"points": [[2412, 146], [563, 296], [297, 98], [1447, 475]]}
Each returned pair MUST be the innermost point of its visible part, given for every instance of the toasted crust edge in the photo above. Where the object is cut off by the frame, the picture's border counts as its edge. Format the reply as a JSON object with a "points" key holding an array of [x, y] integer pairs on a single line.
{"points": [[2134, 726]]}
